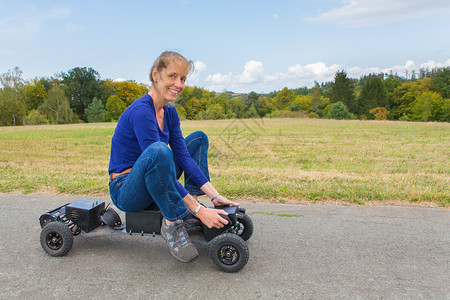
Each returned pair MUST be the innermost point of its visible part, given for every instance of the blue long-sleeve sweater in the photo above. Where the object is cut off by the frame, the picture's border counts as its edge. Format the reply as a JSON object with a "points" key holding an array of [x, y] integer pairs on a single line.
{"points": [[138, 128]]}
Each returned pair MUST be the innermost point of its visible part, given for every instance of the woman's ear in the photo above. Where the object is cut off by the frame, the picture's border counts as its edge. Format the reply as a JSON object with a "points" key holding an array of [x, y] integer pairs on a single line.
{"points": [[155, 75]]}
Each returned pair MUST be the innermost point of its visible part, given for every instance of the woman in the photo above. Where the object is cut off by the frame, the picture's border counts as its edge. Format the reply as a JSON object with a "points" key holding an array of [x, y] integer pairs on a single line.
{"points": [[143, 170]]}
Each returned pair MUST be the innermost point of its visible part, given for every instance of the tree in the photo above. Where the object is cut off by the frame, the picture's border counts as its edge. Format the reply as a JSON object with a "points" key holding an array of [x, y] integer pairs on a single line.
{"points": [[406, 94], [184, 96], [193, 106], [427, 107], [197, 92], [12, 98], [373, 94], [252, 99], [339, 111], [302, 103], [180, 110], [252, 113], [238, 107], [441, 81], [301, 91], [127, 91], [223, 100], [380, 113], [83, 85], [326, 110], [445, 117], [313, 115], [214, 112], [390, 83], [265, 104], [342, 90], [320, 107], [315, 95], [35, 118], [35, 93], [114, 107], [326, 89], [56, 105], [283, 99], [95, 112]]}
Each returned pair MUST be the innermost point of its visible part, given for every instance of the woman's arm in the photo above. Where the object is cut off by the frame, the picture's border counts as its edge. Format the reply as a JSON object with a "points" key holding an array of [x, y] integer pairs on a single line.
{"points": [[216, 198], [210, 217]]}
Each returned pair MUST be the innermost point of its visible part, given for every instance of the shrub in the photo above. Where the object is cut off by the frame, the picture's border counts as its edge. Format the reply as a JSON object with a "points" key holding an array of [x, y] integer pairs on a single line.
{"points": [[214, 112], [252, 113], [95, 112], [114, 107], [35, 118], [404, 117], [326, 110], [292, 114], [274, 114], [380, 113], [313, 115], [339, 111]]}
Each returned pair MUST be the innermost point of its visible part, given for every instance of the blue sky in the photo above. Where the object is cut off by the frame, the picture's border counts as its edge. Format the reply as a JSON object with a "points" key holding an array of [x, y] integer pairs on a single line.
{"points": [[241, 46]]}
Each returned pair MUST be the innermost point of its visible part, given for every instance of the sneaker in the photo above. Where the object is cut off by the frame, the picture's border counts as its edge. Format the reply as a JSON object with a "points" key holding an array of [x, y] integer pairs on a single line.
{"points": [[178, 241]]}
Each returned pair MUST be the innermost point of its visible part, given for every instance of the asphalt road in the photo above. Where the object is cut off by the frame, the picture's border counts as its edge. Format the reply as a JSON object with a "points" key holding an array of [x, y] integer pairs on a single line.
{"points": [[323, 252]]}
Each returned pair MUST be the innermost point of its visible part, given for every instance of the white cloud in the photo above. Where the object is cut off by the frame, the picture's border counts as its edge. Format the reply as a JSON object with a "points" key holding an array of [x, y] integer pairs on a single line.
{"points": [[219, 79], [432, 64], [253, 71], [401, 69], [298, 75], [254, 79], [358, 13], [199, 68]]}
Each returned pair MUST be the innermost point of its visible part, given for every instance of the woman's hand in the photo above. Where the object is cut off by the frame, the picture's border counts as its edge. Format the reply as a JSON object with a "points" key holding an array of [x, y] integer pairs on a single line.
{"points": [[211, 217], [217, 199], [222, 201]]}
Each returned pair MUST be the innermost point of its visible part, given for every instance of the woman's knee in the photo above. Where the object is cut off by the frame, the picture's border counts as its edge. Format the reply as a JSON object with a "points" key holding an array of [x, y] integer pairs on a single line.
{"points": [[159, 151], [199, 135]]}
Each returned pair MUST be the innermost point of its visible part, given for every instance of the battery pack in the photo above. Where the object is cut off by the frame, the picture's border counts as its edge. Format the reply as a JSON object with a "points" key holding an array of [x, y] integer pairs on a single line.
{"points": [[85, 213], [145, 221]]}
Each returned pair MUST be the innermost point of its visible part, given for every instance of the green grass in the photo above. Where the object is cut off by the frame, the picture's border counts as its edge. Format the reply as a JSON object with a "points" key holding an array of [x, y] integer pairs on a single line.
{"points": [[279, 214], [282, 160]]}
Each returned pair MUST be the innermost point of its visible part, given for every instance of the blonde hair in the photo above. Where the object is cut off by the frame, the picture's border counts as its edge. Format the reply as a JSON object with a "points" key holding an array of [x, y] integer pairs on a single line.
{"points": [[166, 58]]}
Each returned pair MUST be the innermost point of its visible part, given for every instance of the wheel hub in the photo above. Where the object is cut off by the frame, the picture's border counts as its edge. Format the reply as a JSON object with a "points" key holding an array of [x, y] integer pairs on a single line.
{"points": [[228, 255], [54, 241]]}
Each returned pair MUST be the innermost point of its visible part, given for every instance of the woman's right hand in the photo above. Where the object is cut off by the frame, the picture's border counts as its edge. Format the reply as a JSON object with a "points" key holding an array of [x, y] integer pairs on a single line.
{"points": [[211, 217]]}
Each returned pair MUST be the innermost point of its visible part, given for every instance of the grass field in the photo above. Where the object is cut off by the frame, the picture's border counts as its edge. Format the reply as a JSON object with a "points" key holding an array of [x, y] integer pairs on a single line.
{"points": [[282, 160]]}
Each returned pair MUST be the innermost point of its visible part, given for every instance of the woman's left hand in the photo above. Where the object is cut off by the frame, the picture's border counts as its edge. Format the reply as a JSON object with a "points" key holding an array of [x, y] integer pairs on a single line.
{"points": [[222, 201]]}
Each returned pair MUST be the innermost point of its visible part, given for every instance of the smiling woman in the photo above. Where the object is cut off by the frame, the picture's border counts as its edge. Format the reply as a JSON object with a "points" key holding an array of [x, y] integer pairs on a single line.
{"points": [[144, 171], [168, 76]]}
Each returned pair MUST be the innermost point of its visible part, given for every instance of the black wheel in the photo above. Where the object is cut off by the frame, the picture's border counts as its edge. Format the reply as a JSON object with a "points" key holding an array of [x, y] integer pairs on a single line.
{"points": [[243, 226], [56, 239], [229, 252]]}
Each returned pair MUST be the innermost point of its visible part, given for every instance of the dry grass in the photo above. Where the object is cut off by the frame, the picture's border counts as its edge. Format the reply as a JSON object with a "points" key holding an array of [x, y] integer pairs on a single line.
{"points": [[281, 160]]}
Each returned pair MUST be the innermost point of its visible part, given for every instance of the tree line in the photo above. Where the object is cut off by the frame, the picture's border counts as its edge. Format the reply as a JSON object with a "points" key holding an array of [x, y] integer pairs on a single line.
{"points": [[80, 95]]}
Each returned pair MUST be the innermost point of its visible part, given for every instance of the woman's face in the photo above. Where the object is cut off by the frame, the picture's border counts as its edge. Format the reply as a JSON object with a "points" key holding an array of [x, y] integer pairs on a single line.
{"points": [[170, 82]]}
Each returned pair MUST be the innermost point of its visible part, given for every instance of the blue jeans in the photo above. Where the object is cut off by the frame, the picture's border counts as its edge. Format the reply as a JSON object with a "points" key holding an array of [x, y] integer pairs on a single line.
{"points": [[153, 176]]}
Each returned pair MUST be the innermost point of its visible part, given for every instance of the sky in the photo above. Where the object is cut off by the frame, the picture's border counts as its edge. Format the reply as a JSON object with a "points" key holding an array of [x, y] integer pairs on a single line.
{"points": [[240, 46]]}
